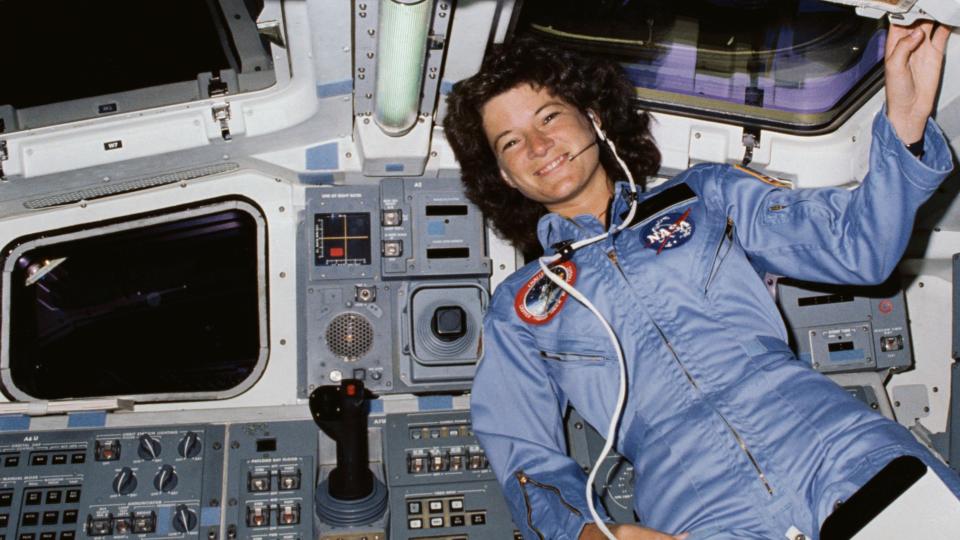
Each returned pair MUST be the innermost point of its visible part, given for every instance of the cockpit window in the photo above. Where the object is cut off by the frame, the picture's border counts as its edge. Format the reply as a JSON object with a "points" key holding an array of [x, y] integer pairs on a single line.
{"points": [[160, 308], [67, 60], [799, 65]]}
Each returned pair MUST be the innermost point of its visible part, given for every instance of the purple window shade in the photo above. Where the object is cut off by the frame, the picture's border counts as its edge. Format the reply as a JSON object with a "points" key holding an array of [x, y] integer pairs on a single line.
{"points": [[676, 71], [799, 65]]}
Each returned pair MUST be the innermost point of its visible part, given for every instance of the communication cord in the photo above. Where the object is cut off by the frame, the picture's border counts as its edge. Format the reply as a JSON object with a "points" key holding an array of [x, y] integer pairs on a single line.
{"points": [[545, 263]]}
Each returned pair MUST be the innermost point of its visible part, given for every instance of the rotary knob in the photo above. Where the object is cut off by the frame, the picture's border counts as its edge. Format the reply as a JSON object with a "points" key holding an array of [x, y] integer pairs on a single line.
{"points": [[166, 479], [149, 448], [125, 482], [184, 519], [190, 445]]}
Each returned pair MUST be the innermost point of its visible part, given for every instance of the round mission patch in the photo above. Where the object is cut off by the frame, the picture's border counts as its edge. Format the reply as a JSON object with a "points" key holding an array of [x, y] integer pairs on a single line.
{"points": [[540, 299]]}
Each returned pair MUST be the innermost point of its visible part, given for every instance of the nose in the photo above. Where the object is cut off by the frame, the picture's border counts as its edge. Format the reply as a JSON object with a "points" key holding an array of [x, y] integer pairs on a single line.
{"points": [[538, 143]]}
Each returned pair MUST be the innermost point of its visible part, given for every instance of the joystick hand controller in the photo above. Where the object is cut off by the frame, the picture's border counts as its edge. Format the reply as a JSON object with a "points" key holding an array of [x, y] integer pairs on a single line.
{"points": [[341, 412]]}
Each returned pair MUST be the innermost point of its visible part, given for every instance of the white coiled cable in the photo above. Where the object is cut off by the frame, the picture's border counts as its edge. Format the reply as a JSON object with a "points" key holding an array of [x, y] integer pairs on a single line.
{"points": [[545, 263]]}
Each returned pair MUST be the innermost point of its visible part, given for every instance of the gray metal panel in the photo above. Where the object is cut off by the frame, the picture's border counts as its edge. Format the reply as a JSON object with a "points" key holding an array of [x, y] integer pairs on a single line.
{"points": [[373, 321], [956, 307], [844, 329], [275, 451], [441, 434], [198, 478], [614, 482], [953, 425]]}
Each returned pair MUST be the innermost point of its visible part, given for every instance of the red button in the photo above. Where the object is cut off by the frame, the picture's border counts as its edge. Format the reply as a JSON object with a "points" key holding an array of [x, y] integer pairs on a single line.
{"points": [[336, 252], [351, 390]]}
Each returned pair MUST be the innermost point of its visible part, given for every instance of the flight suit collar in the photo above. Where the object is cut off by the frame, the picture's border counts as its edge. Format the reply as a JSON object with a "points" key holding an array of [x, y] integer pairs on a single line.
{"points": [[554, 228]]}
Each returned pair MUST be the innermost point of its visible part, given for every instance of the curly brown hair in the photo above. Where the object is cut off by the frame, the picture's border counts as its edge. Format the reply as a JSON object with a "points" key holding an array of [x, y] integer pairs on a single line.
{"points": [[586, 83]]}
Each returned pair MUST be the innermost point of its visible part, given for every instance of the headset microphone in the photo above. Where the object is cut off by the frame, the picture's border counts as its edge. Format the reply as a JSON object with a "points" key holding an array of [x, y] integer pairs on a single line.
{"points": [[585, 148]]}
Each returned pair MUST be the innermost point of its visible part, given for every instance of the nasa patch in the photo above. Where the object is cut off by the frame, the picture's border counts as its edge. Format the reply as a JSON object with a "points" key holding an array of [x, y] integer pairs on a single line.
{"points": [[540, 298], [669, 231]]}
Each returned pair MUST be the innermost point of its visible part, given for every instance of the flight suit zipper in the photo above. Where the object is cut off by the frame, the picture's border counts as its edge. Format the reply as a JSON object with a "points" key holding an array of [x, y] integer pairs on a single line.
{"points": [[740, 442], [718, 258], [523, 480]]}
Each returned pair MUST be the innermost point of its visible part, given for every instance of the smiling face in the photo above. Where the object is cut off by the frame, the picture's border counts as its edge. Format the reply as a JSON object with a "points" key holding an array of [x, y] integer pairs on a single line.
{"points": [[534, 135]]}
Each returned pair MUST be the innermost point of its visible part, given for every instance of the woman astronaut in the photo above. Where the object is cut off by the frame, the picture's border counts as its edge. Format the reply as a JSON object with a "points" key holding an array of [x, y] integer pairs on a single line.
{"points": [[730, 435]]}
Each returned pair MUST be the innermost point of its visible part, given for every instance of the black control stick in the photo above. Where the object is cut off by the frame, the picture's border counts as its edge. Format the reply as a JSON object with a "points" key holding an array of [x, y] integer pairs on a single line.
{"points": [[341, 412], [351, 494]]}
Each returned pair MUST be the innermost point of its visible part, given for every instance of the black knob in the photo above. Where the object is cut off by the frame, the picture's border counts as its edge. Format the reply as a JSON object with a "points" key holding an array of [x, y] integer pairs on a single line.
{"points": [[190, 445], [149, 448], [449, 323], [184, 519], [166, 479], [125, 481]]}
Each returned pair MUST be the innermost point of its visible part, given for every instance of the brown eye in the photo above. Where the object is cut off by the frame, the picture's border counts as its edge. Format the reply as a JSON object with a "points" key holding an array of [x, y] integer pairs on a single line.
{"points": [[508, 145], [549, 117]]}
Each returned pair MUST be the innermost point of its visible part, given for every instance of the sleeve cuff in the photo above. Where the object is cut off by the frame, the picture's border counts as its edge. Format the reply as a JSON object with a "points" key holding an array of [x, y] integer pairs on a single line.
{"points": [[925, 173]]}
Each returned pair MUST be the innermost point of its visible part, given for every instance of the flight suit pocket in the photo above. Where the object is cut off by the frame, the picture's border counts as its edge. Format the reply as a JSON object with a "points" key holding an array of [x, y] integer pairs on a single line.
{"points": [[574, 351], [719, 255], [585, 369]]}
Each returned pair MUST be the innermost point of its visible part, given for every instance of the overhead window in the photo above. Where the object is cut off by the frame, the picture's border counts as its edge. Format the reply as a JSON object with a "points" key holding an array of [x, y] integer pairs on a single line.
{"points": [[791, 65], [69, 60]]}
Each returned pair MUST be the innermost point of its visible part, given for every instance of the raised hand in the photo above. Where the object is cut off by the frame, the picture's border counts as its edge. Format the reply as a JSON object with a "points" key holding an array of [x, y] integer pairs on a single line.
{"points": [[913, 62]]}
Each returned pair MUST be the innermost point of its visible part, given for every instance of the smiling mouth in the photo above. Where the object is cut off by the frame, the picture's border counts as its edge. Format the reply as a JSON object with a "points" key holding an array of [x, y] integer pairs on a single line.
{"points": [[553, 165]]}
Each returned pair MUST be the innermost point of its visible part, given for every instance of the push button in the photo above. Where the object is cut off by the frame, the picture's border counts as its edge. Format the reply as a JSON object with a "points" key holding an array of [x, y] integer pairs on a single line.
{"points": [[436, 522], [414, 508], [415, 523], [73, 495]]}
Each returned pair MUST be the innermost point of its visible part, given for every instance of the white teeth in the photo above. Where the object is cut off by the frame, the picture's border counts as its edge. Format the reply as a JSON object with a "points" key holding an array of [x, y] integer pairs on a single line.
{"points": [[553, 164]]}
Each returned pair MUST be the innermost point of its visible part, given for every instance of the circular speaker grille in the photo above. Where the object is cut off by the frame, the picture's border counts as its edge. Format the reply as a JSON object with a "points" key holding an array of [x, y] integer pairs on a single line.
{"points": [[349, 336]]}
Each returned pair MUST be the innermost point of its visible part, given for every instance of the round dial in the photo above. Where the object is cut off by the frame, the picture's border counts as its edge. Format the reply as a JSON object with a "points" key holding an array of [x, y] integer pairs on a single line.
{"points": [[125, 481], [184, 519], [166, 479], [190, 445], [149, 448]]}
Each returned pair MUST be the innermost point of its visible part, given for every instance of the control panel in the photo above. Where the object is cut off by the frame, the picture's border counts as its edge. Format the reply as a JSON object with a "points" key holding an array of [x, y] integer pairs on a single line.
{"points": [[263, 481], [396, 280], [154, 483], [847, 329], [441, 485]]}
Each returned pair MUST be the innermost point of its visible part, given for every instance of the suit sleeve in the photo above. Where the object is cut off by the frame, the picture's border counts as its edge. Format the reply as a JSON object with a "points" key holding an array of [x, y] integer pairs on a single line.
{"points": [[835, 235], [517, 413]]}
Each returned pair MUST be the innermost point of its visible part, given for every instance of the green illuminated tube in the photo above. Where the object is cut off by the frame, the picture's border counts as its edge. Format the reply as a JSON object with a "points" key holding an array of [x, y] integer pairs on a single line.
{"points": [[401, 54]]}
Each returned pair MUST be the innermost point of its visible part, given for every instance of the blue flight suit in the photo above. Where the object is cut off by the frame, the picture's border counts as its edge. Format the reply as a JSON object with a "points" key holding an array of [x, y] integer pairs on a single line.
{"points": [[730, 435]]}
